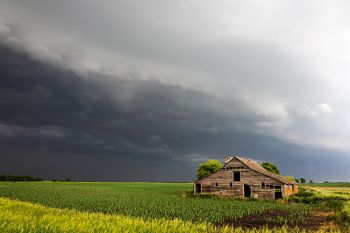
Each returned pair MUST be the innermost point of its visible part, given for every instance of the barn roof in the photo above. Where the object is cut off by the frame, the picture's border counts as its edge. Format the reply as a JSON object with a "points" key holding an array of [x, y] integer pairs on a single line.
{"points": [[258, 168]]}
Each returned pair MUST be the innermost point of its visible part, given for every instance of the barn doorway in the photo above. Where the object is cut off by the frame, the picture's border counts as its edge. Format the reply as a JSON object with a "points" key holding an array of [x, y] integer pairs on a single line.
{"points": [[247, 191], [198, 188], [278, 192]]}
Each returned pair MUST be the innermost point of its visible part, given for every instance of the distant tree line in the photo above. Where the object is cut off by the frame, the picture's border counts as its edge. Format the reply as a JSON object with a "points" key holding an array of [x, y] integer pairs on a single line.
{"points": [[302, 180], [19, 178]]}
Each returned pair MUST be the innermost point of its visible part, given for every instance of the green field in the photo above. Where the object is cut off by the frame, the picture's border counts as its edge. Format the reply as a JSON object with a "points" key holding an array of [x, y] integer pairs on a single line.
{"points": [[161, 205], [17, 216], [147, 200], [335, 184]]}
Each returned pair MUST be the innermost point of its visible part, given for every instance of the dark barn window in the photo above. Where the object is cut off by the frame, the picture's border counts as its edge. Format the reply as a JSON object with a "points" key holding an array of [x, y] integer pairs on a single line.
{"points": [[247, 191], [230, 184], [236, 176], [198, 188], [278, 192], [216, 184], [263, 185]]}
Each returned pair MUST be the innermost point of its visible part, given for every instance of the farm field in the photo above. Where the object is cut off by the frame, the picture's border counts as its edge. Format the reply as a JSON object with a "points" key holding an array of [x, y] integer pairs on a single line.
{"points": [[336, 197], [163, 205], [147, 200], [17, 216]]}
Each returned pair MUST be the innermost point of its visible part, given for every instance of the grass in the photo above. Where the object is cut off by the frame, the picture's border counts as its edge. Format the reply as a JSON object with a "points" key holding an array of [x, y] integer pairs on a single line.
{"points": [[18, 216], [334, 198], [329, 184], [152, 207], [146, 200]]}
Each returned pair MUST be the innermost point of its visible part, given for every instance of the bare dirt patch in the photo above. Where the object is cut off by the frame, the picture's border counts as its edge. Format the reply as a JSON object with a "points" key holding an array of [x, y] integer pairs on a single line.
{"points": [[312, 222]]}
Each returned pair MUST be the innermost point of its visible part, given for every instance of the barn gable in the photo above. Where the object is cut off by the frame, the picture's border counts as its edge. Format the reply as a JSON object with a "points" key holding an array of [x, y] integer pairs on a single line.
{"points": [[258, 168]]}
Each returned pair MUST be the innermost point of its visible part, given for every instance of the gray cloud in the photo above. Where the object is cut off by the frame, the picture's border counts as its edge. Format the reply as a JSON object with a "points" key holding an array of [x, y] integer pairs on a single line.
{"points": [[157, 81], [55, 123], [266, 58]]}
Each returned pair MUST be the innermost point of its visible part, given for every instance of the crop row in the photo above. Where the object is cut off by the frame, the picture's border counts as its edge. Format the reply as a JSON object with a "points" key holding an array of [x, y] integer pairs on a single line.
{"points": [[17, 216], [146, 200]]}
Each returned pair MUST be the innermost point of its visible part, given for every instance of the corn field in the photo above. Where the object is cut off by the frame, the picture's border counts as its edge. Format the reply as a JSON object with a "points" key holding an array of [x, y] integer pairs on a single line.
{"points": [[17, 216], [150, 207], [146, 200]]}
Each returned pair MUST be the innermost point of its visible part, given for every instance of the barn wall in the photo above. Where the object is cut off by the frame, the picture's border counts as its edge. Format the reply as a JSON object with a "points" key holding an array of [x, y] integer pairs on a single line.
{"points": [[290, 189], [219, 182]]}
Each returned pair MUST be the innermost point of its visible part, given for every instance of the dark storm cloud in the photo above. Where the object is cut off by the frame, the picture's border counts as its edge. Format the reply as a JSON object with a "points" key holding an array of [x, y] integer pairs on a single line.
{"points": [[55, 123], [100, 114], [291, 73], [49, 111], [129, 83]]}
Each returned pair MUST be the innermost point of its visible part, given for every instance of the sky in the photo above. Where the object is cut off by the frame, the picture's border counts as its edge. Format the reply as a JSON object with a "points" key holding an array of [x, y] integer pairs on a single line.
{"points": [[146, 90]]}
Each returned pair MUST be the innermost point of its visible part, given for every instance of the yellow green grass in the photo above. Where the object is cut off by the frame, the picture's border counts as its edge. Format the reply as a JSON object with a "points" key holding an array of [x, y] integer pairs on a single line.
{"points": [[149, 207], [340, 196], [146, 200], [18, 216]]}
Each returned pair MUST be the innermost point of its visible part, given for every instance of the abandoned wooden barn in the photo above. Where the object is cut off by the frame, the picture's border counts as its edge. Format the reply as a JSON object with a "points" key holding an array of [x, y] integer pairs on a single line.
{"points": [[241, 177]]}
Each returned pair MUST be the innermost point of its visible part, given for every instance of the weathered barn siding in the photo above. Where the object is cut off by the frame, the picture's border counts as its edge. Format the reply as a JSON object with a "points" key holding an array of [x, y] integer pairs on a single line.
{"points": [[291, 189], [260, 185]]}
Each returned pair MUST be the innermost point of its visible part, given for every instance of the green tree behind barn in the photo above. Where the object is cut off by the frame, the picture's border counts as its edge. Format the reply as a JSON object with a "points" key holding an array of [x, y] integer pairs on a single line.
{"points": [[291, 178], [271, 167], [208, 167]]}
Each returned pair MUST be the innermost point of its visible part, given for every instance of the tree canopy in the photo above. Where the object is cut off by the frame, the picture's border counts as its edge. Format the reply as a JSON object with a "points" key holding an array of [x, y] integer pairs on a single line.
{"points": [[208, 167], [291, 178], [270, 167]]}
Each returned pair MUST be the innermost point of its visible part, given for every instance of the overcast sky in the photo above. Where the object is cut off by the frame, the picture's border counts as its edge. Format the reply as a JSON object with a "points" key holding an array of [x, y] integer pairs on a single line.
{"points": [[146, 90]]}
